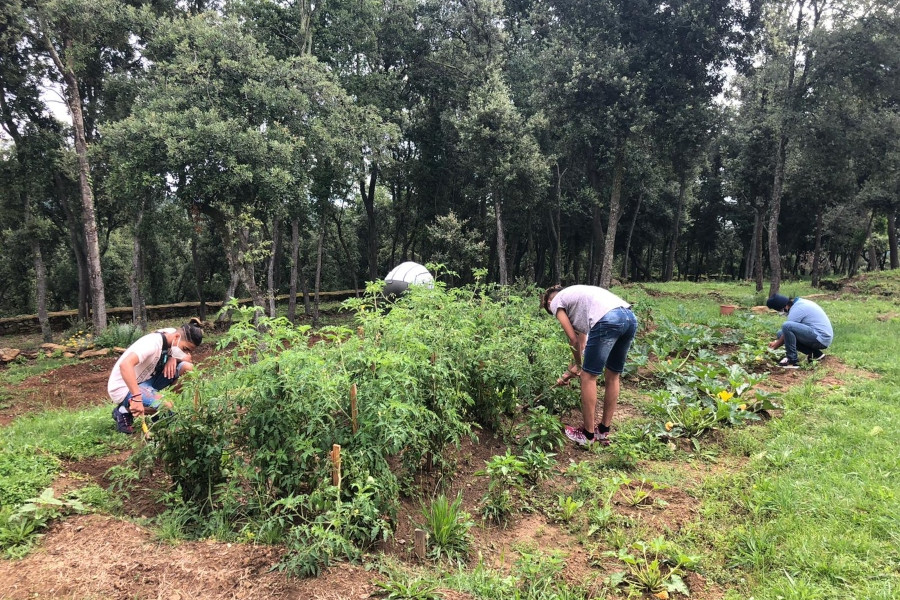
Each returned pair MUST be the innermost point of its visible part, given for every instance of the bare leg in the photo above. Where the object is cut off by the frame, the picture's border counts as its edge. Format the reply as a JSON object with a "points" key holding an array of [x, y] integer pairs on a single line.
{"points": [[610, 396], [588, 399]]}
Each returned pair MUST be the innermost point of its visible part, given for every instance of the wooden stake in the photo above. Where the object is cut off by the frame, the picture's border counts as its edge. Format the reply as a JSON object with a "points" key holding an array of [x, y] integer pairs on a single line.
{"points": [[336, 465], [421, 541], [196, 398], [353, 413]]}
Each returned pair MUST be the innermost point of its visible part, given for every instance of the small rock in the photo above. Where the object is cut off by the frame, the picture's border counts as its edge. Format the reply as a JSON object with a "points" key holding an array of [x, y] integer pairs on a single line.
{"points": [[94, 353], [51, 347], [401, 542], [9, 354]]}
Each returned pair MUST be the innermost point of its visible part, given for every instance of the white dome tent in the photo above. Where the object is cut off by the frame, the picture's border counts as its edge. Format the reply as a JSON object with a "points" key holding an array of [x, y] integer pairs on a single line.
{"points": [[404, 275]]}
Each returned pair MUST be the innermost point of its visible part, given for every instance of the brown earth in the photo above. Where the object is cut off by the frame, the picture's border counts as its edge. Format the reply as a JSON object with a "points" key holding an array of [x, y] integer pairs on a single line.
{"points": [[101, 556]]}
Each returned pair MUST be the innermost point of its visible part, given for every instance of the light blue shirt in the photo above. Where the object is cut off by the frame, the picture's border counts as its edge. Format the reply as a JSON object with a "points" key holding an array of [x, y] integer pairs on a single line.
{"points": [[811, 314]]}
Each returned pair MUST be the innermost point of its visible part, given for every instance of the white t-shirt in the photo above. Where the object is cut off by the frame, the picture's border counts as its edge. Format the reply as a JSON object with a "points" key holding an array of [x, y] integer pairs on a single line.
{"points": [[148, 350], [585, 305]]}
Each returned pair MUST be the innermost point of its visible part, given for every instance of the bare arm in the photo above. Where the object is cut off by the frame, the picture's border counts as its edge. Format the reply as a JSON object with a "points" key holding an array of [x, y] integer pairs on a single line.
{"points": [[777, 343], [574, 337], [136, 405]]}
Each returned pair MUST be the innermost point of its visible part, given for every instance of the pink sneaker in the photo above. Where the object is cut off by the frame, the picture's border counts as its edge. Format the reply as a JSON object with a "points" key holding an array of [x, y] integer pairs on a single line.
{"points": [[577, 435], [601, 438]]}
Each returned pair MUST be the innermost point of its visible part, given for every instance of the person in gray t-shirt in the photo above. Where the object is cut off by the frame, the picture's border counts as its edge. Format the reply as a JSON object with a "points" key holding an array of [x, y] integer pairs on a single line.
{"points": [[600, 327], [807, 330]]}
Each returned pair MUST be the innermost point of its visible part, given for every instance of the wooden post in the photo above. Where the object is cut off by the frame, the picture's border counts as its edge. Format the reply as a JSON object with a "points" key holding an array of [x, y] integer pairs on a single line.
{"points": [[336, 465], [421, 541], [353, 413], [196, 399]]}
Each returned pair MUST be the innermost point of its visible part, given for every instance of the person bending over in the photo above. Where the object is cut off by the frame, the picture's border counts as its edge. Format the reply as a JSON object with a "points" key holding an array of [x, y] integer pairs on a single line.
{"points": [[151, 364], [600, 327], [807, 330]]}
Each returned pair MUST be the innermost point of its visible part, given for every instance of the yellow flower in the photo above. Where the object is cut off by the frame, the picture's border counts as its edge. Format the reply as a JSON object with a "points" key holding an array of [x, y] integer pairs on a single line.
{"points": [[725, 395], [742, 407], [669, 426]]}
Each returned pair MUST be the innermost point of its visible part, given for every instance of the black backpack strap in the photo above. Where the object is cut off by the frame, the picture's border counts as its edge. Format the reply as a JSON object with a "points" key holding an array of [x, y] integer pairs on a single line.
{"points": [[164, 356]]}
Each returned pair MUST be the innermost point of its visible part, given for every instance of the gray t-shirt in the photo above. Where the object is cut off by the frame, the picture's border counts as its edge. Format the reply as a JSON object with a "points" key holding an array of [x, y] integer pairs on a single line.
{"points": [[811, 314], [585, 305]]}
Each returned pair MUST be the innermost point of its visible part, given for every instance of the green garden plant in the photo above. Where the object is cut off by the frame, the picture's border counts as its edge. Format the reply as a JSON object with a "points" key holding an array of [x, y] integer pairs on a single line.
{"points": [[448, 526]]}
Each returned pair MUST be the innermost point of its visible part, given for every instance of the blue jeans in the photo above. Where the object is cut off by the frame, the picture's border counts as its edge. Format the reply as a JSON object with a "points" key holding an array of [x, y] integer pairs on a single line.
{"points": [[150, 395], [798, 336], [609, 341]]}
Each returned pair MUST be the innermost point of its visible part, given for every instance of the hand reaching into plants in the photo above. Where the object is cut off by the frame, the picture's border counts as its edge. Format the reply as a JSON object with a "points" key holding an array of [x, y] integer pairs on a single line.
{"points": [[136, 406], [572, 372]]}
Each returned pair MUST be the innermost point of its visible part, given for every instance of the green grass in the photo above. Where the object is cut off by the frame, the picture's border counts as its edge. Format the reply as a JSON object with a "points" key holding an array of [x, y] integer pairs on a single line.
{"points": [[32, 446], [19, 371]]}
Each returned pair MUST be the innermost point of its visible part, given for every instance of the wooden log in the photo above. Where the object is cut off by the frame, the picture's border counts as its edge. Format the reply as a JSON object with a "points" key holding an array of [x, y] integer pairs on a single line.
{"points": [[421, 543]]}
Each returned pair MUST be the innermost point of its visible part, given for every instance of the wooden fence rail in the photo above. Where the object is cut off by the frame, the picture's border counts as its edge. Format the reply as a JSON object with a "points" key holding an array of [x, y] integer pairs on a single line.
{"points": [[63, 319]]}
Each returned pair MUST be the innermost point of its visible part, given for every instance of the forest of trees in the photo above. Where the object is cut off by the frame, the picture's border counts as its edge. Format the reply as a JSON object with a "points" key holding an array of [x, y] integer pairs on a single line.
{"points": [[213, 149]]}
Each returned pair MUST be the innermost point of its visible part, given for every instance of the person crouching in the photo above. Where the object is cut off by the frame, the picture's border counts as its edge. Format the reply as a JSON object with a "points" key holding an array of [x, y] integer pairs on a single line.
{"points": [[149, 365]]}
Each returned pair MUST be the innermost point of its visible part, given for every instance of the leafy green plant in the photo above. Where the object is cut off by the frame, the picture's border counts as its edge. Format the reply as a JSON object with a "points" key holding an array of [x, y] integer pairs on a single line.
{"points": [[19, 528], [119, 335], [407, 589], [496, 506], [543, 431], [538, 464], [599, 517], [567, 508], [505, 471], [448, 526]]}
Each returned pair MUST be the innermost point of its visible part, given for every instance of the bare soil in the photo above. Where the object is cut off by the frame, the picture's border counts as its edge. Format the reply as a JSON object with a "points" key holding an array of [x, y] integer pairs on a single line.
{"points": [[102, 556]]}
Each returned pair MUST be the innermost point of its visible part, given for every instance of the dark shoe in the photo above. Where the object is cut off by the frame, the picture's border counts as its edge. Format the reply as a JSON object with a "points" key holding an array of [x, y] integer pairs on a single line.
{"points": [[124, 421], [816, 355], [787, 363]]}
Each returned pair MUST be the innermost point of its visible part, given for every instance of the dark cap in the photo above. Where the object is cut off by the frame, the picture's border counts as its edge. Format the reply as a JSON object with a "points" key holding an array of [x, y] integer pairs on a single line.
{"points": [[777, 302]]}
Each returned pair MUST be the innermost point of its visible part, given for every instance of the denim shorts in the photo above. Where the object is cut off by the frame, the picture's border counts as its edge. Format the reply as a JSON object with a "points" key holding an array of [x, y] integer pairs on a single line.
{"points": [[609, 341], [150, 389]]}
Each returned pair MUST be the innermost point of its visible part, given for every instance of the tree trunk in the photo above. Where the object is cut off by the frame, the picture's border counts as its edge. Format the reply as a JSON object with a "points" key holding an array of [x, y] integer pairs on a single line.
{"points": [[368, 197], [198, 273], [138, 307], [501, 242], [597, 241], [89, 217], [320, 248], [758, 260], [751, 254], [37, 258], [248, 273], [555, 227], [673, 243], [615, 211], [857, 255], [637, 210], [874, 264], [40, 275], [774, 216], [892, 240], [270, 268], [338, 223], [295, 255], [817, 251]]}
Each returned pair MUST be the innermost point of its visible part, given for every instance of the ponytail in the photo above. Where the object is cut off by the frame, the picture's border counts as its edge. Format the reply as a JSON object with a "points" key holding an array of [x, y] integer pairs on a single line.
{"points": [[193, 331]]}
